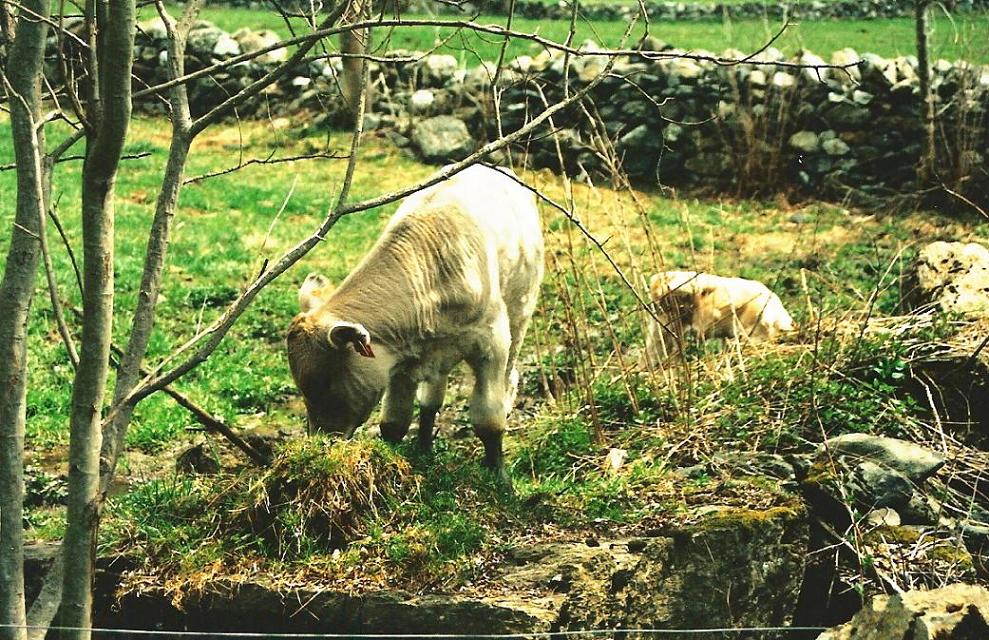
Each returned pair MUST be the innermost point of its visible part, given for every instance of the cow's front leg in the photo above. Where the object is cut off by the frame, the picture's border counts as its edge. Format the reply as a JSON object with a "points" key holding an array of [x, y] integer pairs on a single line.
{"points": [[488, 410], [431, 396], [396, 413]]}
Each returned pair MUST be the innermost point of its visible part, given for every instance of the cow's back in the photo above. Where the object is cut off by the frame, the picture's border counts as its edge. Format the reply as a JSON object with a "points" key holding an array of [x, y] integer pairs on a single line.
{"points": [[453, 255], [484, 206]]}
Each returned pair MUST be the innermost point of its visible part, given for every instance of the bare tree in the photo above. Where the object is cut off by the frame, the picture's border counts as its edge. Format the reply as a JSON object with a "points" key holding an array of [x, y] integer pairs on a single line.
{"points": [[143, 319], [111, 26], [22, 82]]}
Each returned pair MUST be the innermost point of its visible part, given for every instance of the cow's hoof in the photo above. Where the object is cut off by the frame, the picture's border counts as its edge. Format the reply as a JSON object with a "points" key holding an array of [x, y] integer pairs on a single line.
{"points": [[502, 479], [393, 432]]}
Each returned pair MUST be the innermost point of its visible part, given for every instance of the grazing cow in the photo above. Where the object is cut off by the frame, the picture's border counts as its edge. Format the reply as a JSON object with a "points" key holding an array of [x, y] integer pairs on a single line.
{"points": [[713, 307], [454, 277]]}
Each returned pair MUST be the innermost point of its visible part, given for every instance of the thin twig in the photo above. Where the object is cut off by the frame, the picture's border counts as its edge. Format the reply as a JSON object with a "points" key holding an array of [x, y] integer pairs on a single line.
{"points": [[130, 156], [269, 160]]}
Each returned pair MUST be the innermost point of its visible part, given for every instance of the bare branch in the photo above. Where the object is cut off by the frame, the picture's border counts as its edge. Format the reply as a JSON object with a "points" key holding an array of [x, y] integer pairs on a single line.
{"points": [[68, 246], [128, 156], [269, 160], [63, 329]]}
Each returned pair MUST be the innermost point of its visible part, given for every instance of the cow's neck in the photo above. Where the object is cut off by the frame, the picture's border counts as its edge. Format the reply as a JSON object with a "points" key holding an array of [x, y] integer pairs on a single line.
{"points": [[379, 368]]}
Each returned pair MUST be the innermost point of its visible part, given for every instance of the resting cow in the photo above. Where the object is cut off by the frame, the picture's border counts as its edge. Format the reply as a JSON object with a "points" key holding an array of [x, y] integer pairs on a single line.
{"points": [[713, 307], [454, 277]]}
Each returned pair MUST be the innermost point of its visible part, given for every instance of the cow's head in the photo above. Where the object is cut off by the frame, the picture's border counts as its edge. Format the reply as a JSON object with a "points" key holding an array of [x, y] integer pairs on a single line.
{"points": [[333, 364]]}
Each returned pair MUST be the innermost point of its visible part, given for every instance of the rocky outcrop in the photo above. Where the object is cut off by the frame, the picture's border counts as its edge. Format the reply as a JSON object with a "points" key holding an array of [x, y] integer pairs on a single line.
{"points": [[872, 473], [955, 612], [732, 568]]}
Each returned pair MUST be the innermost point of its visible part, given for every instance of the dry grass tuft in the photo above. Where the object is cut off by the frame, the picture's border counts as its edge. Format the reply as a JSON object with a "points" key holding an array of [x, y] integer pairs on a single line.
{"points": [[325, 490]]}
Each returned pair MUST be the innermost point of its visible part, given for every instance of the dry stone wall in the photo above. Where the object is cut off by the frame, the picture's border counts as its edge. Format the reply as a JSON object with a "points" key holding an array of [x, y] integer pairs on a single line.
{"points": [[756, 127], [657, 10]]}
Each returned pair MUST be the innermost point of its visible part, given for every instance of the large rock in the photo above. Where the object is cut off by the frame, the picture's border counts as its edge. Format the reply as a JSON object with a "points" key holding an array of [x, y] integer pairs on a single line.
{"points": [[955, 612], [915, 462], [442, 139], [953, 276], [437, 69]]}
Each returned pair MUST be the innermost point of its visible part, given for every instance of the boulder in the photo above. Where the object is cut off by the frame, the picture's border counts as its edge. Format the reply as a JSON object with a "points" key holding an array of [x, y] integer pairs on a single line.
{"points": [[913, 461], [710, 164], [154, 29], [955, 612], [848, 59], [421, 101], [953, 276], [442, 139], [877, 486], [205, 39]]}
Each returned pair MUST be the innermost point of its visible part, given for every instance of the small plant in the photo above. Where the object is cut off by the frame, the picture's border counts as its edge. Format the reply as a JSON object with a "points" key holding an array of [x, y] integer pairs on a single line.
{"points": [[43, 489]]}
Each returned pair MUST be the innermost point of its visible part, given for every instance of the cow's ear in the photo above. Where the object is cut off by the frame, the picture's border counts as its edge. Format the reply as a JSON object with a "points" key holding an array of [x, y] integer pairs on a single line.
{"points": [[343, 334], [313, 292]]}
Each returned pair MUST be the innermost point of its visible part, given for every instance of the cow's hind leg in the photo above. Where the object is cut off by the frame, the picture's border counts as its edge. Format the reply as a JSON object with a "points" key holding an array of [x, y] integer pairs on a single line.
{"points": [[488, 407], [431, 394], [396, 413], [511, 371], [518, 324]]}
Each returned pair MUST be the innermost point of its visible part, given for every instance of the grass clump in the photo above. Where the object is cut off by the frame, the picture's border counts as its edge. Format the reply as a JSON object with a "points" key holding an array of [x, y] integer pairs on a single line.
{"points": [[325, 492]]}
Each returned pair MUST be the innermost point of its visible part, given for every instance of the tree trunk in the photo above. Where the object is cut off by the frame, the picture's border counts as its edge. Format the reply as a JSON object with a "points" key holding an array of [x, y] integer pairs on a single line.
{"points": [[355, 43], [129, 371], [6, 30], [108, 120], [925, 170], [16, 289]]}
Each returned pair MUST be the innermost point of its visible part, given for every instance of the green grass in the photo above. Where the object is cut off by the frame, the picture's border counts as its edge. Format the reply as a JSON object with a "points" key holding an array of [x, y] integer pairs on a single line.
{"points": [[218, 246], [962, 36], [820, 258]]}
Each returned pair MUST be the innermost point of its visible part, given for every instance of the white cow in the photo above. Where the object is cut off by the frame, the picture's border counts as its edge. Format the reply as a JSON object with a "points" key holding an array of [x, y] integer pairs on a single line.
{"points": [[454, 277], [713, 307]]}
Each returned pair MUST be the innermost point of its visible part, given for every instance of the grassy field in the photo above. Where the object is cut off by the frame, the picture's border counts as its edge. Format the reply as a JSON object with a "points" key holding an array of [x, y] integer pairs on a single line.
{"points": [[440, 521], [222, 237], [962, 36]]}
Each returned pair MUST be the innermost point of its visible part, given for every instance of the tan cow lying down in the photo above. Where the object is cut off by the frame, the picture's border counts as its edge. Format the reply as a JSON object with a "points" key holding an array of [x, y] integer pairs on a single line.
{"points": [[454, 277], [713, 307]]}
